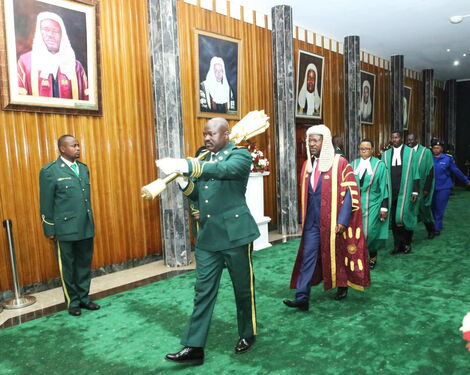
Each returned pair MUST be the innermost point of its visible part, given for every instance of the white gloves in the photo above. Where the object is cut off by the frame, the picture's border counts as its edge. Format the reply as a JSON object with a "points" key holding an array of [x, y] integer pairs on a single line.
{"points": [[172, 165]]}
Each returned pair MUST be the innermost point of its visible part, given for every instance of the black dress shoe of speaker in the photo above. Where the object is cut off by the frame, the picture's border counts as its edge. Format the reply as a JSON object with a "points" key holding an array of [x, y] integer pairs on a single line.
{"points": [[341, 293], [190, 355], [90, 305], [301, 305], [407, 249], [243, 345], [75, 311], [395, 250]]}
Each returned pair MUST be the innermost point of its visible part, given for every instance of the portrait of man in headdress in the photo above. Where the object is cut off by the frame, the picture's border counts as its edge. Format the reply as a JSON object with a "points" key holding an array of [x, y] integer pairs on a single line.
{"points": [[406, 106], [366, 107], [309, 85], [217, 81], [52, 58]]}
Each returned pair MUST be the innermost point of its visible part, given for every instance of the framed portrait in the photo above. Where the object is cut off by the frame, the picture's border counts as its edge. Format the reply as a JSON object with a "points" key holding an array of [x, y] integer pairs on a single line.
{"points": [[218, 68], [309, 85], [406, 106], [52, 56], [366, 108]]}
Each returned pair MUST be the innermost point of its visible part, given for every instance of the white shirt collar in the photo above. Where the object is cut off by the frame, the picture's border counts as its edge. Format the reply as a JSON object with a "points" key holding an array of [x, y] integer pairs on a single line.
{"points": [[69, 164], [416, 147]]}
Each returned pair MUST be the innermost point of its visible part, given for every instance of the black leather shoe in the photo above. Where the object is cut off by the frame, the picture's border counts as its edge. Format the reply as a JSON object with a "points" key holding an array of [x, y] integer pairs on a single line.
{"points": [[431, 235], [75, 311], [301, 305], [341, 293], [90, 305], [437, 233], [372, 264], [395, 250], [407, 249], [243, 345], [190, 355]]}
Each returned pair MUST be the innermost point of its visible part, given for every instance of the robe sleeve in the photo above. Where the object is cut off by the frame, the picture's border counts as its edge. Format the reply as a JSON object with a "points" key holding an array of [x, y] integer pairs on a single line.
{"points": [[346, 208], [457, 172]]}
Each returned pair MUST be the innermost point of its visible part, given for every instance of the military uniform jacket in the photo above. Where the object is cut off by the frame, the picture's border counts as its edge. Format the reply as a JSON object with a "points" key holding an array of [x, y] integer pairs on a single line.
{"points": [[218, 187], [65, 201]]}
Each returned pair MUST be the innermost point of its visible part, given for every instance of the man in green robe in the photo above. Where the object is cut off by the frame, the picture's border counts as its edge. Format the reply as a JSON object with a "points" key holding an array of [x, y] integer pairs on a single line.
{"points": [[426, 182], [372, 178], [403, 184]]}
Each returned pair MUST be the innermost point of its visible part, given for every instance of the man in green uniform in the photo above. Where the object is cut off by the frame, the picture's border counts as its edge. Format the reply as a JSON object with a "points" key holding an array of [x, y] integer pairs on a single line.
{"points": [[403, 187], [226, 231], [372, 178], [426, 182], [67, 219]]}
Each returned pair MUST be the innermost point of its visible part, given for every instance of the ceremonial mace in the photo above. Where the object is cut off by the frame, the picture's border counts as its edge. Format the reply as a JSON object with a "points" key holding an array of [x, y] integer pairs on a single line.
{"points": [[254, 123]]}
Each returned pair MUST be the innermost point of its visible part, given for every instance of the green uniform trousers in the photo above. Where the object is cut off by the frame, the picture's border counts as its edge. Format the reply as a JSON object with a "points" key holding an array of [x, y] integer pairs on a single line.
{"points": [[209, 267], [74, 259]]}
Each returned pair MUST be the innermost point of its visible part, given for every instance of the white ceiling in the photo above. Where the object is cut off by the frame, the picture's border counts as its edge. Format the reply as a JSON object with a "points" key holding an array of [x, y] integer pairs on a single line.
{"points": [[418, 29]]}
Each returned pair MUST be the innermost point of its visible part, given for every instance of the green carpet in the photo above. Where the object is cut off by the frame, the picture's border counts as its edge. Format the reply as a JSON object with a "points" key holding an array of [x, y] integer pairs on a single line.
{"points": [[407, 322]]}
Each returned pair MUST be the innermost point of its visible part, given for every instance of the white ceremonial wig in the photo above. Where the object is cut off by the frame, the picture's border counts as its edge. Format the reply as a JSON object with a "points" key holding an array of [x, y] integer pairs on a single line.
{"points": [[327, 153], [304, 94], [44, 61], [365, 109], [219, 91]]}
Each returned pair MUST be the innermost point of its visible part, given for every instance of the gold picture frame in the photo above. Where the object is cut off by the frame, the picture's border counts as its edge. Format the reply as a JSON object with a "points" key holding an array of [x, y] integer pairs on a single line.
{"points": [[51, 59]]}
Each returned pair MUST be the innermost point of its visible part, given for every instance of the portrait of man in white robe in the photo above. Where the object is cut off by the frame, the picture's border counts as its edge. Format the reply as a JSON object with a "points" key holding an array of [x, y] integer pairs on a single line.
{"points": [[366, 107], [309, 85]]}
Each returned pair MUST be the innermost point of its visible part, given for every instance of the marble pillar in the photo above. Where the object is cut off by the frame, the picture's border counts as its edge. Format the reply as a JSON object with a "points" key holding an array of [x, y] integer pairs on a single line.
{"points": [[284, 101], [352, 97], [451, 111], [428, 99], [174, 217], [397, 91]]}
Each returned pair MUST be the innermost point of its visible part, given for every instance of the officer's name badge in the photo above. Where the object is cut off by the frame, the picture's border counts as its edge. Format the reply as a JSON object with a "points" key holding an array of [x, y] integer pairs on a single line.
{"points": [[326, 177], [64, 178], [45, 82]]}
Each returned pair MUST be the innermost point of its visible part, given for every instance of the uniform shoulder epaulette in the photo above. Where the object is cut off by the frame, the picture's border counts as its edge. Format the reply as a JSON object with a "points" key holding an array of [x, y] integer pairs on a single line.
{"points": [[450, 155], [79, 162], [239, 147], [48, 165]]}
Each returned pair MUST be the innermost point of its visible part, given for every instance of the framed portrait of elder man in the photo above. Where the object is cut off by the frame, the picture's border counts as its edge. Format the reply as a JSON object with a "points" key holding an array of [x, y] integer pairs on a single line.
{"points": [[52, 59], [310, 69], [218, 67], [406, 106], [366, 107]]}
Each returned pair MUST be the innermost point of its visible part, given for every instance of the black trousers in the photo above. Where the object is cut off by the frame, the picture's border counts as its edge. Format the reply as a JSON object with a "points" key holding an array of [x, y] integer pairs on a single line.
{"points": [[401, 236]]}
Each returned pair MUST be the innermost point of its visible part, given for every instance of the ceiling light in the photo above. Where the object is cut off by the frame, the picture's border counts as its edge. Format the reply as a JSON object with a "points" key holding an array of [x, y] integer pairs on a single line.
{"points": [[464, 55], [448, 49], [458, 19], [456, 62]]}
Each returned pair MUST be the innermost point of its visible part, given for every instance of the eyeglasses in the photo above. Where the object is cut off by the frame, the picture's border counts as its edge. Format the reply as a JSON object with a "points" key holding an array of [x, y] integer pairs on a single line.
{"points": [[365, 149]]}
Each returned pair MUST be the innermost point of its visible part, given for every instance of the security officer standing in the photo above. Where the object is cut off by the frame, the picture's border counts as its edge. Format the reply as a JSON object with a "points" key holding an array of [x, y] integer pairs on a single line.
{"points": [[67, 219], [226, 231], [445, 168]]}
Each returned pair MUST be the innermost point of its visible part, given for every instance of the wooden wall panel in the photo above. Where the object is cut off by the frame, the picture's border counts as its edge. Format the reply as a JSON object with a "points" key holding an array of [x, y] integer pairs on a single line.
{"points": [[255, 75], [119, 149]]}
